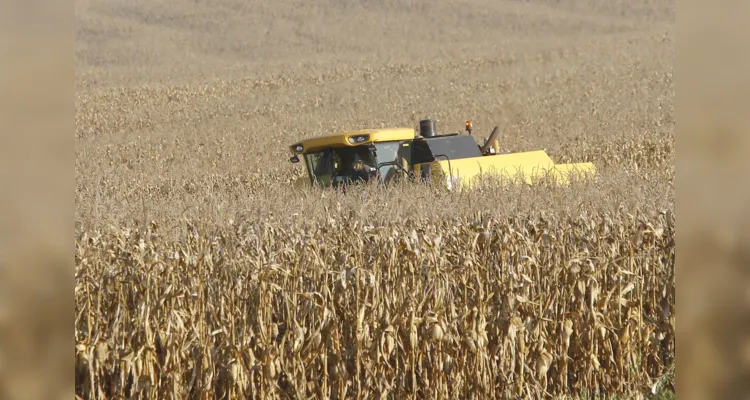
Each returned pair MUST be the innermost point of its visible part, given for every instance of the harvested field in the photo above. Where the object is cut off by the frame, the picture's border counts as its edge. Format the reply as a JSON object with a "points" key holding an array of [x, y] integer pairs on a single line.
{"points": [[200, 273]]}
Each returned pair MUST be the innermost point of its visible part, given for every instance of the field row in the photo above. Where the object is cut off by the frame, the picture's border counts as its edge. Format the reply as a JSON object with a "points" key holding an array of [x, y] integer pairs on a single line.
{"points": [[634, 174], [472, 306]]}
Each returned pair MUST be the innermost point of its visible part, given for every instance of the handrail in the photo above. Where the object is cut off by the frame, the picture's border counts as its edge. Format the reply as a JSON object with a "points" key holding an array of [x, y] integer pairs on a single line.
{"points": [[393, 164], [450, 169]]}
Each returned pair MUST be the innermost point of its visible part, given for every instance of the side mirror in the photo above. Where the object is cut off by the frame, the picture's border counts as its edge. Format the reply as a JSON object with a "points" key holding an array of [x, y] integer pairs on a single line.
{"points": [[294, 159]]}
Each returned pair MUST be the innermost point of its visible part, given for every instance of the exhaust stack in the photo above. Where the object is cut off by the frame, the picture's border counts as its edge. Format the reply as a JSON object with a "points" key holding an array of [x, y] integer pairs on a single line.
{"points": [[427, 128]]}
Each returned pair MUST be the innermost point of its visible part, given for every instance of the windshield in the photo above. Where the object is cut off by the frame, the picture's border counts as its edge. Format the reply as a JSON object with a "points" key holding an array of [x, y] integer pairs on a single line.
{"points": [[335, 166]]}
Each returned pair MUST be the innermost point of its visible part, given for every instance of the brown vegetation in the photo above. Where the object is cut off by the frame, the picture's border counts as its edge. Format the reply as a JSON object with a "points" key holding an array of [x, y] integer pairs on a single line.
{"points": [[200, 272], [514, 307]]}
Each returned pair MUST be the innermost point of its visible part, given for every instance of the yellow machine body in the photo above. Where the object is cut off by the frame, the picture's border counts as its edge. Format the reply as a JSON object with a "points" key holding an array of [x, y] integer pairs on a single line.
{"points": [[452, 160], [530, 167]]}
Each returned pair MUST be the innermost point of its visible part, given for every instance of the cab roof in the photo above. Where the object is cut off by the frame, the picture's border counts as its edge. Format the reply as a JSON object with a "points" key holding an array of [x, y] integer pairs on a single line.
{"points": [[352, 138]]}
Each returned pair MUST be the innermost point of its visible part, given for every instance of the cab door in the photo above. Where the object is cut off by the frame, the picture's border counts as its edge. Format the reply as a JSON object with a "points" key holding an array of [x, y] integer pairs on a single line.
{"points": [[390, 161]]}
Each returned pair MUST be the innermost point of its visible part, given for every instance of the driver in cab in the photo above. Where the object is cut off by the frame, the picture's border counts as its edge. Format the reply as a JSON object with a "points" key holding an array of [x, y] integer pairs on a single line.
{"points": [[363, 169]]}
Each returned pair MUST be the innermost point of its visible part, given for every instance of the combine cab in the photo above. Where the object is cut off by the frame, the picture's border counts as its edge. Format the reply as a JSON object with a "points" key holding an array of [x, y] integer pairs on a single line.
{"points": [[452, 160]]}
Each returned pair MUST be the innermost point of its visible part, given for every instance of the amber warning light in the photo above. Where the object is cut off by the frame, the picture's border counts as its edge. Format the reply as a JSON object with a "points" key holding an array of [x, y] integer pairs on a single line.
{"points": [[468, 127]]}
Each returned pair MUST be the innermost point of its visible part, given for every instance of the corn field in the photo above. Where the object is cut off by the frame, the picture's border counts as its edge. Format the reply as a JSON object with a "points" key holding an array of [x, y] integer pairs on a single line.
{"points": [[463, 308], [201, 273]]}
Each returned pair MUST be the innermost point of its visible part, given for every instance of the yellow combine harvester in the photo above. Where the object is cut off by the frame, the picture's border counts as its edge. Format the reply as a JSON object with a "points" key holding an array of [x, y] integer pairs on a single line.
{"points": [[452, 159]]}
